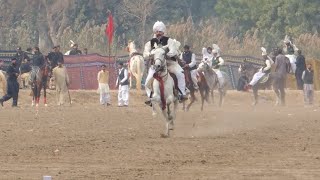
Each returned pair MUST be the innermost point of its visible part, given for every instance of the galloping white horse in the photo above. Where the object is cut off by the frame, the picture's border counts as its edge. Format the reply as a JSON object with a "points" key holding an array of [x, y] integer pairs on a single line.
{"points": [[3, 82], [164, 88], [136, 66]]}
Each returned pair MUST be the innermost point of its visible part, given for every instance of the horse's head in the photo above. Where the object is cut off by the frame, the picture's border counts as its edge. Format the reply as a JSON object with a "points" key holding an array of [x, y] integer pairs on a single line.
{"points": [[131, 48], [159, 54], [204, 66]]}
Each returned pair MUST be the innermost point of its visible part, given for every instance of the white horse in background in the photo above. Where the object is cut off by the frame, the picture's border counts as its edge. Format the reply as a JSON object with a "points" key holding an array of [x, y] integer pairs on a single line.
{"points": [[136, 65], [3, 82], [167, 101]]}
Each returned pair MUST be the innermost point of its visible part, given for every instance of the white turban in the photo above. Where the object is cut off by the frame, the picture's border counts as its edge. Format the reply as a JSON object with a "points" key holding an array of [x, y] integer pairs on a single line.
{"points": [[287, 39], [214, 51], [264, 51], [72, 43], [159, 26]]}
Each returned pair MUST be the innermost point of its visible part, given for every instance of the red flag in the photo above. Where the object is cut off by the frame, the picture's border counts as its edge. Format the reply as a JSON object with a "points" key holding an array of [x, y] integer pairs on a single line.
{"points": [[109, 28]]}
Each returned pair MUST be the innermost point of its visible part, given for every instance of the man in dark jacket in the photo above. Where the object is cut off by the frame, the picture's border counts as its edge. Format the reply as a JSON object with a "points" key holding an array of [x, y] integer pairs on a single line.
{"points": [[52, 58], [12, 84], [301, 66], [21, 56], [37, 62], [55, 56]]}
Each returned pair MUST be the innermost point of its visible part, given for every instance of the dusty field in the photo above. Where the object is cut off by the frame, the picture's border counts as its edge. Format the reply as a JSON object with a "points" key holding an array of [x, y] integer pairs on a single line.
{"points": [[89, 141]]}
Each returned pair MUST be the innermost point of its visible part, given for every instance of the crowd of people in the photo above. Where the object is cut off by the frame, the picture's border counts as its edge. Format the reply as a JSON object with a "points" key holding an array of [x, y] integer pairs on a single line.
{"points": [[22, 64], [26, 65]]}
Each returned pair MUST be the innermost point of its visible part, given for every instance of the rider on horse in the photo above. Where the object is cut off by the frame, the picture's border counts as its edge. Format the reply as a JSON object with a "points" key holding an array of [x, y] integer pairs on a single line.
{"points": [[37, 63], [289, 51], [189, 61], [217, 62], [266, 69], [159, 38]]}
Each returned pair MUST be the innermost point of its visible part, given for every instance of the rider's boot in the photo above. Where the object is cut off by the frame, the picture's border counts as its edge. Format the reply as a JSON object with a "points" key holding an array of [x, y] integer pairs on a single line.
{"points": [[148, 102]]}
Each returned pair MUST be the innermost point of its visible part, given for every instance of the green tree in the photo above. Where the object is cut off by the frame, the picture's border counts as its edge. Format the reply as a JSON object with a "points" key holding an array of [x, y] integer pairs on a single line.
{"points": [[273, 18]]}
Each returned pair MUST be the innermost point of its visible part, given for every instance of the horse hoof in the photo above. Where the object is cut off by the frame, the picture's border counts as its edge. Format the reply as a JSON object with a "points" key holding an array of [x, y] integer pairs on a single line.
{"points": [[46, 105], [164, 135], [37, 105], [154, 114]]}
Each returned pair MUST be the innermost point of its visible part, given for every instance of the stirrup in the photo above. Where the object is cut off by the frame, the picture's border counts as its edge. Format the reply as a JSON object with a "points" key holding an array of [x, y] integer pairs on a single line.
{"points": [[182, 98]]}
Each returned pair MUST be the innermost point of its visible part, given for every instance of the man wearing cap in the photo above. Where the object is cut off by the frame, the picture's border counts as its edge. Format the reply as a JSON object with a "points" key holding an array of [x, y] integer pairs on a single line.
{"points": [[12, 84], [62, 81], [103, 80], [159, 38], [75, 50], [123, 84], [264, 70], [189, 60]]}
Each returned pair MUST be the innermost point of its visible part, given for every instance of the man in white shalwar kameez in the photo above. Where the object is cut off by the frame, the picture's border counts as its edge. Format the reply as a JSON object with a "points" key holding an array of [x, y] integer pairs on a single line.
{"points": [[264, 70], [159, 39], [217, 62], [104, 91], [61, 78], [123, 84]]}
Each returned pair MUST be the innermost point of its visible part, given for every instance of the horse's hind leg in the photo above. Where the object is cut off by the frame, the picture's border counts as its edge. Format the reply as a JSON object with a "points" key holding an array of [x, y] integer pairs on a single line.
{"points": [[193, 98], [202, 98], [212, 96], [221, 93]]}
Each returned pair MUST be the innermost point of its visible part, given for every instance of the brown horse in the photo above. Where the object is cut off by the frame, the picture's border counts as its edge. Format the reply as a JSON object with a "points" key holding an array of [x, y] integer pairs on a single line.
{"points": [[203, 89], [40, 81]]}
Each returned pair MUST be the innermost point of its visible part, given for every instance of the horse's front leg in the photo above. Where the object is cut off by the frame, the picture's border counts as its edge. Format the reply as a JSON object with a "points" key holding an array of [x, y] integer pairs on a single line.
{"points": [[202, 94], [45, 95], [38, 89], [192, 99], [34, 94]]}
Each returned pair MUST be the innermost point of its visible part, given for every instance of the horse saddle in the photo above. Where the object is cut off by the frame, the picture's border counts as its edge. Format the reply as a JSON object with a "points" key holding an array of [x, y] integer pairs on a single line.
{"points": [[264, 78]]}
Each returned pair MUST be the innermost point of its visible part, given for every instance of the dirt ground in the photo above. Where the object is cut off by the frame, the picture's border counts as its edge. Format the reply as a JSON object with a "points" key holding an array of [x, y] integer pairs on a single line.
{"points": [[90, 141]]}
